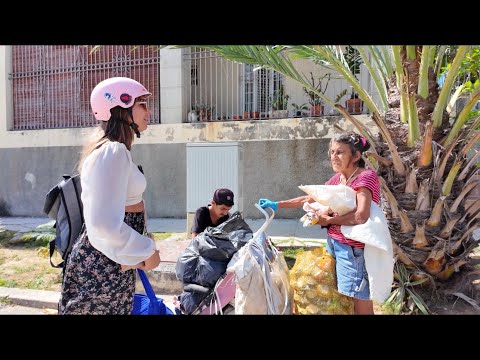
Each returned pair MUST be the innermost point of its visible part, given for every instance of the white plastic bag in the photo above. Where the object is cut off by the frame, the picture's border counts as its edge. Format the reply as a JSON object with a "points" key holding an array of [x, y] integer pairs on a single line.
{"points": [[262, 285], [311, 218], [340, 198]]}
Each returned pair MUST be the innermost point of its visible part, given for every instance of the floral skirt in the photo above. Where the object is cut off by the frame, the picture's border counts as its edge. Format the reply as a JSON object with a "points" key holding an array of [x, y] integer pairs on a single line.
{"points": [[94, 284]]}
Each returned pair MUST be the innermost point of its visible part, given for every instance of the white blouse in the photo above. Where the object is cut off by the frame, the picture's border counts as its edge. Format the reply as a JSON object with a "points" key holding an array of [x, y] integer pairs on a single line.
{"points": [[110, 181]]}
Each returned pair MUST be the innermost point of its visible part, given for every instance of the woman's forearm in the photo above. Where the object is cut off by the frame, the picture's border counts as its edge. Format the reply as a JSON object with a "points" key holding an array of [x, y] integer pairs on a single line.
{"points": [[295, 202], [351, 218]]}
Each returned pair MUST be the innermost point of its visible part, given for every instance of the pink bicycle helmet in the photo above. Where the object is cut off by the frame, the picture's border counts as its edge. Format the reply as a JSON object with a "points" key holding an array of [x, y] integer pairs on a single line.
{"points": [[116, 91]]}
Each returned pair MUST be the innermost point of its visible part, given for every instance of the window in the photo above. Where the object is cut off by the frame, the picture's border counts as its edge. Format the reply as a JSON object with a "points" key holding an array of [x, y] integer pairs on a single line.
{"points": [[52, 84]]}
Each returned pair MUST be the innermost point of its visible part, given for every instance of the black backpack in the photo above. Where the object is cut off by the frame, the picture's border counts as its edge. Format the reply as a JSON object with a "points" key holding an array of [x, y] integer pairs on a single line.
{"points": [[64, 204]]}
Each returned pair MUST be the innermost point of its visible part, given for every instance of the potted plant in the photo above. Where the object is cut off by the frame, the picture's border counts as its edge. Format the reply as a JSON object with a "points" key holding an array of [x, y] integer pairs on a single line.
{"points": [[280, 103], [315, 101], [354, 105], [298, 109], [204, 112]]}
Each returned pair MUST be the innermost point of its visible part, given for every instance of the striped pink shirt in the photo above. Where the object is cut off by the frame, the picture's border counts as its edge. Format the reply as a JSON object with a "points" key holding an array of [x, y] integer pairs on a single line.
{"points": [[367, 179]]}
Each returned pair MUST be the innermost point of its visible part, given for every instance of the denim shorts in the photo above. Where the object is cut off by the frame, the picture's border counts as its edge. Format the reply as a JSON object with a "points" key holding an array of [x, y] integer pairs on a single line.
{"points": [[352, 278]]}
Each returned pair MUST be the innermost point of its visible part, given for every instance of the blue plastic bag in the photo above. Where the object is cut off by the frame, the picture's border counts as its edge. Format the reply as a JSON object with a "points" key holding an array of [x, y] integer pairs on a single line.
{"points": [[149, 303]]}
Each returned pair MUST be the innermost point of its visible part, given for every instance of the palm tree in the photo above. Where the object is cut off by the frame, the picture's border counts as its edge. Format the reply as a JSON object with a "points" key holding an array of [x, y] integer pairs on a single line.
{"points": [[420, 152]]}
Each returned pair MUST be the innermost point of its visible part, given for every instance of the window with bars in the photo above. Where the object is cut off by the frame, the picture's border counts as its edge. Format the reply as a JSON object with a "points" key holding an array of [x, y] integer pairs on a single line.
{"points": [[52, 84], [260, 85], [219, 89]]}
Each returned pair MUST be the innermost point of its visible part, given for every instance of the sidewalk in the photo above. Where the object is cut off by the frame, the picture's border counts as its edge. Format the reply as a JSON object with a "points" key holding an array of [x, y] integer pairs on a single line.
{"points": [[279, 229], [41, 299]]}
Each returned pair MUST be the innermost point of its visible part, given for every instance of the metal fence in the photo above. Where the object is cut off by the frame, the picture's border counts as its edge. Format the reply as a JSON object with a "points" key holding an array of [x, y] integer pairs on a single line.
{"points": [[52, 84], [217, 89]]}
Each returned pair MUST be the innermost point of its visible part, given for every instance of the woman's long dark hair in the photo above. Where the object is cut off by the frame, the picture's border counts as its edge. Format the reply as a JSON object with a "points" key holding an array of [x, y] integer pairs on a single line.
{"points": [[356, 143], [116, 129]]}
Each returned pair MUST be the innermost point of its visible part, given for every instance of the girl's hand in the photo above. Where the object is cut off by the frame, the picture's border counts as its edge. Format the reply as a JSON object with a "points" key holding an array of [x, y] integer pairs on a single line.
{"points": [[131, 267], [152, 262]]}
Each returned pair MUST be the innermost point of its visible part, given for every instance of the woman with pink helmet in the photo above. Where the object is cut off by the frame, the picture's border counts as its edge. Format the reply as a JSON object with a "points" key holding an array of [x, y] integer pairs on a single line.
{"points": [[99, 275]]}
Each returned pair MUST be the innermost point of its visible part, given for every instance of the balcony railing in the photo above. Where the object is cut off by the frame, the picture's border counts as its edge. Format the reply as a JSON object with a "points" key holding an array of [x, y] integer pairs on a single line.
{"points": [[217, 89]]}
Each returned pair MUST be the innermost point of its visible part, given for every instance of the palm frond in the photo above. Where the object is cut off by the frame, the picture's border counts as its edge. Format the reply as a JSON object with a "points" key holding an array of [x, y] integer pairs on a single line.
{"points": [[462, 119], [378, 81], [423, 73], [447, 86], [399, 76]]}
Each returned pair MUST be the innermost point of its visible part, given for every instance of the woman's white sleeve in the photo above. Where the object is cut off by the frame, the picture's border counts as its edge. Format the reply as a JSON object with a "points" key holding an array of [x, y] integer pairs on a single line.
{"points": [[104, 193]]}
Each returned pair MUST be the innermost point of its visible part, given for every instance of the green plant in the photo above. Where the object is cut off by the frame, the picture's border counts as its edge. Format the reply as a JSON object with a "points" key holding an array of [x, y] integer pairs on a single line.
{"points": [[280, 99], [468, 72], [404, 298], [161, 236], [319, 86], [298, 109], [353, 59], [340, 95]]}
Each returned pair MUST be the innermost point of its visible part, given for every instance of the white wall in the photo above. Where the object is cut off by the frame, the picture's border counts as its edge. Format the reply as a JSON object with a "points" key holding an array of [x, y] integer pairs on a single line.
{"points": [[171, 86]]}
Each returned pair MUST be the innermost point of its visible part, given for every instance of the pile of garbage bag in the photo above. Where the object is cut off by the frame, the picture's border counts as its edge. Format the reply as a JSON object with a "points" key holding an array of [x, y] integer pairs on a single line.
{"points": [[205, 260]]}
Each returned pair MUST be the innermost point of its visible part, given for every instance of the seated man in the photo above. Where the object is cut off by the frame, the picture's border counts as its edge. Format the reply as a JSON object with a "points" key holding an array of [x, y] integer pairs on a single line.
{"points": [[213, 214]]}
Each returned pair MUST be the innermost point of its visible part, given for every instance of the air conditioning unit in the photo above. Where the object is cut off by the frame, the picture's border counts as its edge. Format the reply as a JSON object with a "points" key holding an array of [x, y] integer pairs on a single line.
{"points": [[211, 166]]}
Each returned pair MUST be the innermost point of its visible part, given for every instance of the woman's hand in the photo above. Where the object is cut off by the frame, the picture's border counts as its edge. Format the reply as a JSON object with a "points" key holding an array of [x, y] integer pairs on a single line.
{"points": [[265, 203], [323, 220]]}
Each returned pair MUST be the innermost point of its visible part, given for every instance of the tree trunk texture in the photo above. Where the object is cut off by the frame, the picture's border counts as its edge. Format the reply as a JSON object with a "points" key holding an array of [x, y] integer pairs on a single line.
{"points": [[443, 252]]}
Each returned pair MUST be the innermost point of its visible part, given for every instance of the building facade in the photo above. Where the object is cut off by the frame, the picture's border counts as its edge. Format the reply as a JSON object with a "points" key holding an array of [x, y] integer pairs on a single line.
{"points": [[197, 97]]}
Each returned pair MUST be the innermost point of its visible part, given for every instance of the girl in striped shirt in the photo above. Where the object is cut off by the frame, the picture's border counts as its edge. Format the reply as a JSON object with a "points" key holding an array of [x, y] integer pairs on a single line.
{"points": [[346, 158]]}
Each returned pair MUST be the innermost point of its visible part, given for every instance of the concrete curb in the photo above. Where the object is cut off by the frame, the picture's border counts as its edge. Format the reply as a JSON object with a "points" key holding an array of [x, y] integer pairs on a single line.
{"points": [[31, 298], [163, 280]]}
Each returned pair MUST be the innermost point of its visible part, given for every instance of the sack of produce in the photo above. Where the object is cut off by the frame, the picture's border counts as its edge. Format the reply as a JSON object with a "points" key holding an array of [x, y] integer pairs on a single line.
{"points": [[314, 282]]}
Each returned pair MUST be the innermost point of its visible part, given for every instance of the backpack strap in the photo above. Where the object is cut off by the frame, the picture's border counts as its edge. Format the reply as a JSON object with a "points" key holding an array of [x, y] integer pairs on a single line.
{"points": [[52, 250], [145, 232]]}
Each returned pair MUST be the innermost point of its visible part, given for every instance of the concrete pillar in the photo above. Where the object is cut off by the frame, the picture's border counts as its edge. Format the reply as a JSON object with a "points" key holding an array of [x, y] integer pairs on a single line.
{"points": [[171, 86], [6, 110]]}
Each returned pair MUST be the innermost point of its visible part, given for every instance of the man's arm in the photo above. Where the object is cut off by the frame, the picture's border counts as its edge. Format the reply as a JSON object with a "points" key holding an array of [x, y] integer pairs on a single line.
{"points": [[198, 223]]}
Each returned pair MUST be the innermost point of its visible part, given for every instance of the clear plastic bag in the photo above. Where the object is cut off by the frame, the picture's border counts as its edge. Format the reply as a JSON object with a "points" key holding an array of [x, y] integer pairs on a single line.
{"points": [[311, 218]]}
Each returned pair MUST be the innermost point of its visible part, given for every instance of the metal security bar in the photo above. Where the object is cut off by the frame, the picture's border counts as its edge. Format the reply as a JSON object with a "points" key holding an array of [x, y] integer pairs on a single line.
{"points": [[52, 84], [217, 89]]}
